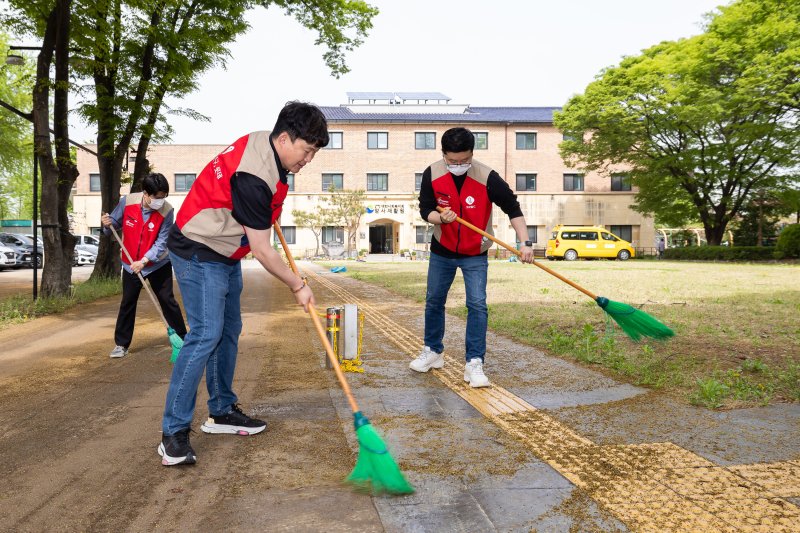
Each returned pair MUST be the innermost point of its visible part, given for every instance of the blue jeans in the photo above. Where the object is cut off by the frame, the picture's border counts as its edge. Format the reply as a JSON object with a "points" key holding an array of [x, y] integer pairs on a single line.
{"points": [[211, 297], [441, 272]]}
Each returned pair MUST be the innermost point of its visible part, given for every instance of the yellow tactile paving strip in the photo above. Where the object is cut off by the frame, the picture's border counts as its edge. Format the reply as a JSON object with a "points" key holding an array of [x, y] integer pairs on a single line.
{"points": [[649, 487]]}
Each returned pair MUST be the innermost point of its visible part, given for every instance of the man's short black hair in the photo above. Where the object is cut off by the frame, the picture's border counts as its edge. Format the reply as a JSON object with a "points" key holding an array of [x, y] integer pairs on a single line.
{"points": [[302, 120], [457, 140], [155, 183]]}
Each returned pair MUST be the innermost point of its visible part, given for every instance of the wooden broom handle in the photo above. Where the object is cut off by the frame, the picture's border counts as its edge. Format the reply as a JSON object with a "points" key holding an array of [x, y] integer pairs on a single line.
{"points": [[320, 331], [519, 254]]}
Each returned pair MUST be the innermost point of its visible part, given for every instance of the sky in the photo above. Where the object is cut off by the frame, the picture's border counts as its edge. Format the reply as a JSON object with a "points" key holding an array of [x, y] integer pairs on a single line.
{"points": [[529, 53]]}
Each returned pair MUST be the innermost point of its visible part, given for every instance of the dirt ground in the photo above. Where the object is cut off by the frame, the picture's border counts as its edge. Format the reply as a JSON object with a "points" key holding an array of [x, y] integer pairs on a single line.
{"points": [[20, 280], [78, 430], [551, 446]]}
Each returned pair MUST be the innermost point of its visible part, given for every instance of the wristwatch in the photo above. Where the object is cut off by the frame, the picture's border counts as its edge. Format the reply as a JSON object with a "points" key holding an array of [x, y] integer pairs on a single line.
{"points": [[529, 244], [145, 260]]}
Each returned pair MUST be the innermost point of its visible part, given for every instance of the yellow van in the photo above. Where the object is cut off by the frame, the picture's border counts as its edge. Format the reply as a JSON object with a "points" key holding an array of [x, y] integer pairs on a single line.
{"points": [[572, 242]]}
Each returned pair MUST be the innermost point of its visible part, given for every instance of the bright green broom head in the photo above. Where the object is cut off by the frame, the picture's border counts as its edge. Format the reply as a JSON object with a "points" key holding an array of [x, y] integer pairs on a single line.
{"points": [[176, 342], [634, 322], [375, 471]]}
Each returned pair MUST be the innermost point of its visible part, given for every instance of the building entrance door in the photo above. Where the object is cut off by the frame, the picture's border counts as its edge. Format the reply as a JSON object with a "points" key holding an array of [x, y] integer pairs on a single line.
{"points": [[380, 239]]}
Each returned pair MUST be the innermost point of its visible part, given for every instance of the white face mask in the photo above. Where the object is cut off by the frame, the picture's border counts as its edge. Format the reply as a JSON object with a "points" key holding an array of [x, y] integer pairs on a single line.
{"points": [[459, 170], [156, 203]]}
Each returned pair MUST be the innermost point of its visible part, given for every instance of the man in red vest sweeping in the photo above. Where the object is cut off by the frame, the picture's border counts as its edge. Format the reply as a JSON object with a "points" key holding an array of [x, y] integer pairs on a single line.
{"points": [[145, 219], [227, 214], [467, 189]]}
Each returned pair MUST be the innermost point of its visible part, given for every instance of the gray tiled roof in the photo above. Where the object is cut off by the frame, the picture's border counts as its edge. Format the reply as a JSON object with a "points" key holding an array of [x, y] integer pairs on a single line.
{"points": [[537, 115]]}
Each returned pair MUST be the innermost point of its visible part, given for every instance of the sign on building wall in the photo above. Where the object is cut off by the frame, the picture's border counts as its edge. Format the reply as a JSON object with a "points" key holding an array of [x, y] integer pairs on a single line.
{"points": [[386, 209]]}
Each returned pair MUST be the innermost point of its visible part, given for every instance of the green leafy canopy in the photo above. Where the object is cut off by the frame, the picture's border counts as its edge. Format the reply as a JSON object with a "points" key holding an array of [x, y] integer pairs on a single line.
{"points": [[701, 122]]}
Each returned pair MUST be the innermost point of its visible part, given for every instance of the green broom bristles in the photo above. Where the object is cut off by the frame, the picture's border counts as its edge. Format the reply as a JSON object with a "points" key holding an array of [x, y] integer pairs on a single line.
{"points": [[375, 470], [176, 342], [634, 322]]}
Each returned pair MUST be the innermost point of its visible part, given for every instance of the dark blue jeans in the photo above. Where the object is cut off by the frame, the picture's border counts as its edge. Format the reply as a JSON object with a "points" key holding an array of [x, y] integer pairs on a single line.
{"points": [[211, 297], [441, 272]]}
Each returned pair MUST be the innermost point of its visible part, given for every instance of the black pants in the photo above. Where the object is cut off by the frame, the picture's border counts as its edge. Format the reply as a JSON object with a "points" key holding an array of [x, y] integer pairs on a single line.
{"points": [[161, 282]]}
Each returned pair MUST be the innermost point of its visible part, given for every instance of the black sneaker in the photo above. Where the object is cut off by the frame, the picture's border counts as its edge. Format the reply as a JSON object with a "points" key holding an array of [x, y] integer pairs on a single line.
{"points": [[176, 450], [234, 423]]}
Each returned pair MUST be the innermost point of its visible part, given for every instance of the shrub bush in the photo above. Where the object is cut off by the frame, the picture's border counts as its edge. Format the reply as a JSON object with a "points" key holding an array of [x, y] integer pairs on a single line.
{"points": [[721, 253], [788, 242]]}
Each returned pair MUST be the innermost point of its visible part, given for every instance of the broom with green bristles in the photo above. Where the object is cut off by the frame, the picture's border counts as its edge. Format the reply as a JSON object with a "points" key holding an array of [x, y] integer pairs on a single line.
{"points": [[174, 339], [375, 471], [634, 322]]}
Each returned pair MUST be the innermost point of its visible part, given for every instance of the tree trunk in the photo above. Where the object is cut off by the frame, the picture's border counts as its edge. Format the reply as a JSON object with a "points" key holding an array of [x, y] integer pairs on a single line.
{"points": [[108, 262], [59, 173]]}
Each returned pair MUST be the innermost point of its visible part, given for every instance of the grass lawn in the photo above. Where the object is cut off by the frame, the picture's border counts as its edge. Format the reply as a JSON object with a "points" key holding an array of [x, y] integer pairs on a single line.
{"points": [[22, 308], [737, 326]]}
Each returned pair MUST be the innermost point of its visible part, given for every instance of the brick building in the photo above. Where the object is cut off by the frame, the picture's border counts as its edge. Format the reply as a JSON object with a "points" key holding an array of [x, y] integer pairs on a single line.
{"points": [[382, 142]]}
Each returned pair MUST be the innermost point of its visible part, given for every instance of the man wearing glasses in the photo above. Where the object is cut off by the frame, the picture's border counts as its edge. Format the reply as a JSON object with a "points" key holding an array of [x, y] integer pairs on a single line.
{"points": [[465, 188]]}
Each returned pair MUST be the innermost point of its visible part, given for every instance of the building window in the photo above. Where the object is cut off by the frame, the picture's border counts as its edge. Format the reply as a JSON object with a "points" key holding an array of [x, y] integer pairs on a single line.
{"points": [[526, 141], [377, 140], [289, 233], [332, 234], [417, 181], [94, 182], [532, 232], [377, 182], [183, 182], [481, 140], [290, 181], [424, 234], [526, 182], [623, 232], [334, 140], [332, 182], [568, 137], [620, 183], [425, 141], [573, 182]]}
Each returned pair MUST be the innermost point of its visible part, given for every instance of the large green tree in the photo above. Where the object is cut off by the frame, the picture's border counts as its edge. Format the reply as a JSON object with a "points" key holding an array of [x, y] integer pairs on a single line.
{"points": [[700, 123], [50, 21], [139, 53]]}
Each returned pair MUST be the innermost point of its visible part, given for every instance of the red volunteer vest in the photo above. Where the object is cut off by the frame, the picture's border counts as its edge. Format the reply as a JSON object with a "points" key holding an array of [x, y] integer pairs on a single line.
{"points": [[206, 213], [471, 204], [138, 236]]}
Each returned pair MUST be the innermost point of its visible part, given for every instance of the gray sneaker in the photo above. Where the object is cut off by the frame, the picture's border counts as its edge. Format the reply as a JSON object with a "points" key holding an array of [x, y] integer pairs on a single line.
{"points": [[118, 351]]}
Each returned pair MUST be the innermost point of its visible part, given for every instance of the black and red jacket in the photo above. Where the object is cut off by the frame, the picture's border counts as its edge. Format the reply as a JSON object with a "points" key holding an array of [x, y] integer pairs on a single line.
{"points": [[471, 196]]}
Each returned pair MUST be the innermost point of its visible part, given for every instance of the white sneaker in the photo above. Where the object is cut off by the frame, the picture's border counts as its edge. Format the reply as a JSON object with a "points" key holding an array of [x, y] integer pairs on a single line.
{"points": [[473, 374], [117, 352], [426, 360]]}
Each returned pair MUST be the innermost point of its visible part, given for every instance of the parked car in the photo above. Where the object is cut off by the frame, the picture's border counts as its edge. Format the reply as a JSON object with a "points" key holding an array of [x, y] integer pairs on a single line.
{"points": [[82, 257], [8, 257], [23, 248], [573, 242], [88, 243]]}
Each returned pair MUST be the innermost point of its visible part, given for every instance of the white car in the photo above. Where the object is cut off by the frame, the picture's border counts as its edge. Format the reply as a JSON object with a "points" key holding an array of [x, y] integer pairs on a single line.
{"points": [[88, 243], [8, 258], [82, 257]]}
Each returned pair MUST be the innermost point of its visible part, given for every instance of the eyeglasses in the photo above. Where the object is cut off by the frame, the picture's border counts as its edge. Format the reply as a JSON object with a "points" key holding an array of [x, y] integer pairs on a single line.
{"points": [[465, 161]]}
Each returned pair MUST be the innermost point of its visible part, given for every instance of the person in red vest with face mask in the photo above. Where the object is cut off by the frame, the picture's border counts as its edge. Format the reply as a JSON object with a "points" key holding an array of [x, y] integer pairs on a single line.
{"points": [[465, 188], [227, 214], [145, 219]]}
